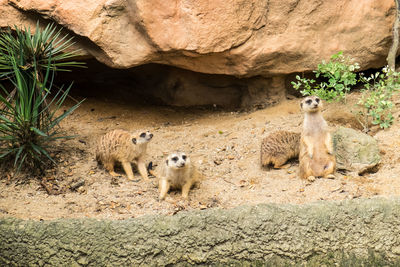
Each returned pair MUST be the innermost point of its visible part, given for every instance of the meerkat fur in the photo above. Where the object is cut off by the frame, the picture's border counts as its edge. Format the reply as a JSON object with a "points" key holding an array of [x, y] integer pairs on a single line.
{"points": [[278, 147], [177, 171], [316, 157], [126, 148]]}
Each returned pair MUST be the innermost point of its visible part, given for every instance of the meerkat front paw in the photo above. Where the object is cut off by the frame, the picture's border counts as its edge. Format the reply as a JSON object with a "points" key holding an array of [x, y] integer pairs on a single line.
{"points": [[114, 174], [311, 178], [330, 176]]}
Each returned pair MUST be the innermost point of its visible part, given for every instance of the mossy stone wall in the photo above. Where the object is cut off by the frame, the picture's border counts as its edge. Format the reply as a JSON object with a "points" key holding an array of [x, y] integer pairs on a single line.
{"points": [[293, 233]]}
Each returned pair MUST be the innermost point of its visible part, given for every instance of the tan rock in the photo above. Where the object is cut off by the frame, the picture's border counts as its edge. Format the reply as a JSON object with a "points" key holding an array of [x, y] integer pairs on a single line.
{"points": [[238, 37]]}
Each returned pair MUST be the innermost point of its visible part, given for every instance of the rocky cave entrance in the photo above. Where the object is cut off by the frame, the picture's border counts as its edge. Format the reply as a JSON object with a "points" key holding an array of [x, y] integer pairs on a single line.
{"points": [[156, 84]]}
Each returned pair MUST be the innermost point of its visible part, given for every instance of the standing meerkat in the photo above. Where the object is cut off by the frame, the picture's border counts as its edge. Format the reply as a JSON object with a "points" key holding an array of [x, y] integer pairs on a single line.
{"points": [[124, 147], [177, 172], [278, 147], [316, 148]]}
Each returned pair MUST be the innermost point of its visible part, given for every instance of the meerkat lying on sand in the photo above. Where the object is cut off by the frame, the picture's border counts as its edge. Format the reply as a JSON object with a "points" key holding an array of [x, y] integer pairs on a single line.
{"points": [[124, 147], [316, 148], [177, 172], [278, 147]]}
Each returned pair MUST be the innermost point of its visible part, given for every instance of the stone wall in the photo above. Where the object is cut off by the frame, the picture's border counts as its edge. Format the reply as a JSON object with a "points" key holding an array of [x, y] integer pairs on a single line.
{"points": [[291, 233]]}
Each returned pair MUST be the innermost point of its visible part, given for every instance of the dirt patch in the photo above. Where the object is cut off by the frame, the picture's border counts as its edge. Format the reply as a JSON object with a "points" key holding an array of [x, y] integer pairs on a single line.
{"points": [[225, 146]]}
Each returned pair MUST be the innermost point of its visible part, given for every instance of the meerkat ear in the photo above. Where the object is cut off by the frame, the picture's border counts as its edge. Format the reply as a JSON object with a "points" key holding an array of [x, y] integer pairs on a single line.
{"points": [[166, 162], [301, 105], [134, 140]]}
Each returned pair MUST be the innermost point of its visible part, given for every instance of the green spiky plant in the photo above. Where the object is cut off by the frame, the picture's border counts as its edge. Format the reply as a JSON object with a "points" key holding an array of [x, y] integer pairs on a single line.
{"points": [[29, 116], [33, 51]]}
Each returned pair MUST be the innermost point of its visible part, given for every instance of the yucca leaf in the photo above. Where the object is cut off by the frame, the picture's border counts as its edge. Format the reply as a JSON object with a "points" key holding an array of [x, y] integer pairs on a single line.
{"points": [[22, 161], [7, 152], [19, 151], [39, 132], [65, 114], [40, 150]]}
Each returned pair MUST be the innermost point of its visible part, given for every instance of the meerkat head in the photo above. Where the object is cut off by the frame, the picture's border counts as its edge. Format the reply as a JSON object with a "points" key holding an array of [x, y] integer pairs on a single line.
{"points": [[177, 160], [143, 138], [311, 104]]}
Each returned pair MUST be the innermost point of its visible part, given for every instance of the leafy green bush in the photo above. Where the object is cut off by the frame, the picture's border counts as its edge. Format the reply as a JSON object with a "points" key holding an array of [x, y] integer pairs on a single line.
{"points": [[29, 114], [376, 99], [337, 76]]}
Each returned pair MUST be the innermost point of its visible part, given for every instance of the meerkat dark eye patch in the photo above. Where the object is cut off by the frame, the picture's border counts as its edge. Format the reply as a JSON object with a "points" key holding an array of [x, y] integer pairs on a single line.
{"points": [[308, 102], [175, 159], [317, 100], [143, 135], [184, 157], [134, 140]]}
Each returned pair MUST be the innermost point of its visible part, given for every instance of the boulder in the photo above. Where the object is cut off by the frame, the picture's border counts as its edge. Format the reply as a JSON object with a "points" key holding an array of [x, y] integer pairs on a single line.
{"points": [[355, 151], [244, 38]]}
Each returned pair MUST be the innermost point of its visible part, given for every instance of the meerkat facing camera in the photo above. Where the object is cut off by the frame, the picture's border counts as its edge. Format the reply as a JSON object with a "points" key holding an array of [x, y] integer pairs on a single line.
{"points": [[316, 157], [125, 147], [278, 147], [177, 172]]}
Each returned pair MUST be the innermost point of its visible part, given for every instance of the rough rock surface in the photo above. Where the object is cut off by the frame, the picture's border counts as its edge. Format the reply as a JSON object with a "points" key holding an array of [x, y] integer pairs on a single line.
{"points": [[355, 151], [292, 232], [240, 37]]}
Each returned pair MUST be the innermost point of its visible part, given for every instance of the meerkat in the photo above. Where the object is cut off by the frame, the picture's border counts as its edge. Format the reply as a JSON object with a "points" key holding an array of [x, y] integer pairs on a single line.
{"points": [[177, 172], [278, 147], [316, 157], [126, 148]]}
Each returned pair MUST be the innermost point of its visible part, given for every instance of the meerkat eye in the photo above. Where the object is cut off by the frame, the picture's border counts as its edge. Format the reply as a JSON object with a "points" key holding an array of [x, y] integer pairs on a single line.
{"points": [[308, 102], [175, 159], [317, 100], [143, 135], [184, 157]]}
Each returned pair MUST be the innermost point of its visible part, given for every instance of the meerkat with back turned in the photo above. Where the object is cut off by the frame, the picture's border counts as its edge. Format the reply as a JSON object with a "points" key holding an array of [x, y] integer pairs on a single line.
{"points": [[316, 157], [278, 147], [126, 148], [177, 172]]}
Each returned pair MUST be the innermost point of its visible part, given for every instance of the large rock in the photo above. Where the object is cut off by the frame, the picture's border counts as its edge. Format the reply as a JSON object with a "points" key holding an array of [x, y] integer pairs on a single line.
{"points": [[355, 151], [239, 37]]}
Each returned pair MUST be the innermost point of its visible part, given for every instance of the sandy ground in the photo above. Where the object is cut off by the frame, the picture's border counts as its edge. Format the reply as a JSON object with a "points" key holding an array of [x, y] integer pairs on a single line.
{"points": [[225, 145]]}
